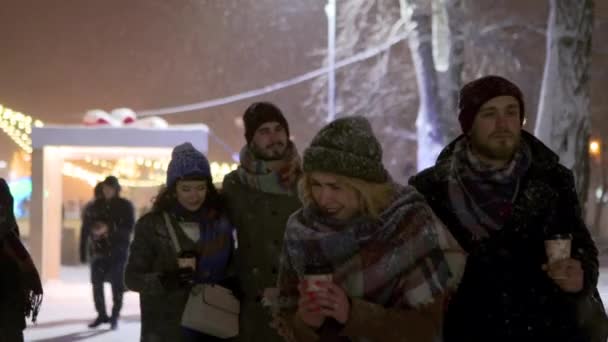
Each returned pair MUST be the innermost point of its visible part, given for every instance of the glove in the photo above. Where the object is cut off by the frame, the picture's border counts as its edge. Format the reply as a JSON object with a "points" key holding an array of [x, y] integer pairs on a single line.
{"points": [[180, 278]]}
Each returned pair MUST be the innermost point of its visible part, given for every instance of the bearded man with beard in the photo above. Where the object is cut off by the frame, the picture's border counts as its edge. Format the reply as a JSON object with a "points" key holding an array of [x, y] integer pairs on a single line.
{"points": [[261, 195], [502, 193]]}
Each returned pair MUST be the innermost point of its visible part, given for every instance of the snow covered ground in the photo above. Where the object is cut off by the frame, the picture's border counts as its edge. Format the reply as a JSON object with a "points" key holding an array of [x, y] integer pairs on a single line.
{"points": [[68, 308]]}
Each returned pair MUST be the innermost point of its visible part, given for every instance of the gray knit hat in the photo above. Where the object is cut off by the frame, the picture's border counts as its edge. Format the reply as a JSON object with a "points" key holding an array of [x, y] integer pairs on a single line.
{"points": [[347, 147]]}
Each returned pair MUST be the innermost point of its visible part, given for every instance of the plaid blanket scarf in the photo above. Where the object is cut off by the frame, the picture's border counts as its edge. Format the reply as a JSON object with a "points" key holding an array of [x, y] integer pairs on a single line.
{"points": [[482, 196], [405, 259], [276, 177]]}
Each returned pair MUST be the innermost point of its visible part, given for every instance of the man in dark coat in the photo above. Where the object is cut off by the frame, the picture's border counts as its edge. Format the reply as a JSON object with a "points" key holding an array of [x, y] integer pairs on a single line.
{"points": [[110, 220], [261, 195], [502, 193]]}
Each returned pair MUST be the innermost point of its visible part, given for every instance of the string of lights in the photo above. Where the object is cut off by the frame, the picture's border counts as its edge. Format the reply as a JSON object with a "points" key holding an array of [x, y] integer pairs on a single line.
{"points": [[131, 171]]}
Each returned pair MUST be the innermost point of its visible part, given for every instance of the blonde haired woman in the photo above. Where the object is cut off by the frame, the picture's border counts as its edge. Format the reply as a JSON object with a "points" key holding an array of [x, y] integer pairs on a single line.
{"points": [[388, 263]]}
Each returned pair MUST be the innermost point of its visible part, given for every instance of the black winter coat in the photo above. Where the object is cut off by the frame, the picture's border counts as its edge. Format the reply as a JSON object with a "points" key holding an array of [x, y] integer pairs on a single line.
{"points": [[118, 214], [504, 294]]}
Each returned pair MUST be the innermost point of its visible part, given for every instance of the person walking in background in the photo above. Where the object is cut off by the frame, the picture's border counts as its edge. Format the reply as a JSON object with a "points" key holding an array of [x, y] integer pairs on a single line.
{"points": [[110, 221], [85, 227], [196, 212], [20, 285], [503, 195], [365, 259], [261, 194]]}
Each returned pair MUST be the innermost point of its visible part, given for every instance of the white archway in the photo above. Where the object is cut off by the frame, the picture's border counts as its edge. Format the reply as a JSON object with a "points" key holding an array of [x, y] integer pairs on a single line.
{"points": [[53, 144]]}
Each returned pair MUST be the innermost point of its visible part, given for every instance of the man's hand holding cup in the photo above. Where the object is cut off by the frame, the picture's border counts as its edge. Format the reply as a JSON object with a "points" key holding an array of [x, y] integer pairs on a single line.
{"points": [[566, 272]]}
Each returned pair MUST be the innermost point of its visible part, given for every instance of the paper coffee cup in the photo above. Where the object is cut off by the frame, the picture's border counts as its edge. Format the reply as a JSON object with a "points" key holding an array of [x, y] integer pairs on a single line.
{"points": [[312, 281], [186, 262], [558, 248]]}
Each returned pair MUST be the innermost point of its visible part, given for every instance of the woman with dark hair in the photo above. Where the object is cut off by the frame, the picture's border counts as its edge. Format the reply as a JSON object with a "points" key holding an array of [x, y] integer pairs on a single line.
{"points": [[20, 286], [189, 207]]}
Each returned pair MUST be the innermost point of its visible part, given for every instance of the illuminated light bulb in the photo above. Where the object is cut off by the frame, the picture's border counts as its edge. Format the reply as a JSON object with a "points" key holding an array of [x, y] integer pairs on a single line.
{"points": [[594, 147], [38, 123], [148, 163]]}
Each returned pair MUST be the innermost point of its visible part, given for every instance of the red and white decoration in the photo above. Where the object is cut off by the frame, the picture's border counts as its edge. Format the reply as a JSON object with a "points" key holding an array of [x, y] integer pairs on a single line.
{"points": [[120, 117]]}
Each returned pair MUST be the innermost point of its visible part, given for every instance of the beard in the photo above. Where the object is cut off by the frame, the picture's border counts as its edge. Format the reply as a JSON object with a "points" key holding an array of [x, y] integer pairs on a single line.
{"points": [[272, 152], [499, 149]]}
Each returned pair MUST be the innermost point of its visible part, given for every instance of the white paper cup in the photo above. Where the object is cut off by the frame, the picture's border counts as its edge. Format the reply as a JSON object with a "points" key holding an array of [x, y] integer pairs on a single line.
{"points": [[313, 279], [558, 248], [186, 262]]}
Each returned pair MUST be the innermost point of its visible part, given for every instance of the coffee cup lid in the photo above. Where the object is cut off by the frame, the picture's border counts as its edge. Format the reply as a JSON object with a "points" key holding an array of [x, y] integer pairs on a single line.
{"points": [[560, 237]]}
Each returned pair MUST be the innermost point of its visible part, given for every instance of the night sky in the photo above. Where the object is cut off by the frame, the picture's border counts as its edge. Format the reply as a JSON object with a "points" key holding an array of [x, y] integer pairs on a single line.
{"points": [[61, 58]]}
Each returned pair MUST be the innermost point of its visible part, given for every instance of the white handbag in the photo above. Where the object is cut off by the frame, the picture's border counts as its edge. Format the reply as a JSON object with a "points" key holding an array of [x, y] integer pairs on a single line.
{"points": [[210, 309]]}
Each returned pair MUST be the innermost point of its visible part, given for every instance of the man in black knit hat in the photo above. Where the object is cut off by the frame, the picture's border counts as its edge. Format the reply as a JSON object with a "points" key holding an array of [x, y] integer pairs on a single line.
{"points": [[261, 194], [503, 195], [109, 220]]}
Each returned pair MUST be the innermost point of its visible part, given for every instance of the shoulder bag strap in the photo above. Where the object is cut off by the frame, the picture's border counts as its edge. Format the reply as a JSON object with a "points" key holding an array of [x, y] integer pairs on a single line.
{"points": [[178, 248]]}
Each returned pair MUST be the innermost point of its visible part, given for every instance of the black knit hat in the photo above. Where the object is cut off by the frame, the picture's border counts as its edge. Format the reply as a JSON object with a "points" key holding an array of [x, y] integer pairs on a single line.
{"points": [[474, 94], [260, 113], [113, 182], [347, 147]]}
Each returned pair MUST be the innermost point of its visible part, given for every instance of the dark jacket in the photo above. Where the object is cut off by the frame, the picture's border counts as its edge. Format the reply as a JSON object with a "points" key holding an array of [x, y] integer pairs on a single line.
{"points": [[259, 219], [153, 253], [118, 214], [12, 309], [504, 294]]}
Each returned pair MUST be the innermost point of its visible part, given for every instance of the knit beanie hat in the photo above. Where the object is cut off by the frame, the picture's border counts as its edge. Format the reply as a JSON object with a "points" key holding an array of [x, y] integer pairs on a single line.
{"points": [[186, 161], [347, 147], [260, 113], [474, 94], [113, 182]]}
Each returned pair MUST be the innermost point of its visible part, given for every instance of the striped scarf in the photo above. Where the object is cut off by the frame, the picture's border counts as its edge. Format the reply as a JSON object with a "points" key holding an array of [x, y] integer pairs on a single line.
{"points": [[406, 259], [482, 197], [280, 178]]}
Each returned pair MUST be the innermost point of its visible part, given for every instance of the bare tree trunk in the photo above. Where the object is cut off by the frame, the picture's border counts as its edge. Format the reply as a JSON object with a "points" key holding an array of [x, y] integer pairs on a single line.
{"points": [[564, 108], [433, 129], [599, 202], [451, 78]]}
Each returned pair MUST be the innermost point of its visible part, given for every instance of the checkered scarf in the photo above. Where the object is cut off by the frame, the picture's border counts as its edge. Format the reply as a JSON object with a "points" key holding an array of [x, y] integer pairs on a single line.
{"points": [[405, 259], [481, 196], [279, 179]]}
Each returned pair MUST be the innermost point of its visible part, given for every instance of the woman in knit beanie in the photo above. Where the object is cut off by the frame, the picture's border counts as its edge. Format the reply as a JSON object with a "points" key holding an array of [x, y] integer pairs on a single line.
{"points": [[191, 205], [388, 262]]}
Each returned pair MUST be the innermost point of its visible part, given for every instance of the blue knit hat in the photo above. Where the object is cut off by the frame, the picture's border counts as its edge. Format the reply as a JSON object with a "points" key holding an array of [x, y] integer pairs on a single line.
{"points": [[187, 161]]}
